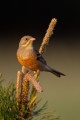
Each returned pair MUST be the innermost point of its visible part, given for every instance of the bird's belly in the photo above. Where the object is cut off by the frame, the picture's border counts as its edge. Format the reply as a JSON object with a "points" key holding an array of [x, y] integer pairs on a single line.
{"points": [[29, 62]]}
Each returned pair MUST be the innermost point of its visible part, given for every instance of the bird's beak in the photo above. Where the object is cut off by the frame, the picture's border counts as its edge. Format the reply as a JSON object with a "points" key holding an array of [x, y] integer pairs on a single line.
{"points": [[33, 39]]}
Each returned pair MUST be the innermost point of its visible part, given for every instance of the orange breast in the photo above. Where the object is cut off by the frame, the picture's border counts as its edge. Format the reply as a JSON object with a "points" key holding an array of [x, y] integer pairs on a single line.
{"points": [[30, 62]]}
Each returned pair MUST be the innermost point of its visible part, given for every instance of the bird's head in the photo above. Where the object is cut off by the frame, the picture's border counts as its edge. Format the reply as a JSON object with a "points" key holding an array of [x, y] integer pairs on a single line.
{"points": [[26, 41]]}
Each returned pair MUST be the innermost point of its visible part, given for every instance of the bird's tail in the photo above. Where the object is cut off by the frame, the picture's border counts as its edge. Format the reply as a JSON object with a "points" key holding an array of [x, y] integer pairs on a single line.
{"points": [[55, 72]]}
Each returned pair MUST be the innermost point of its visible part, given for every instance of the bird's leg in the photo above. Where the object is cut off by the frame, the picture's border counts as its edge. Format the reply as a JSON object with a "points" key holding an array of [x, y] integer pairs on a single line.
{"points": [[24, 70], [37, 73]]}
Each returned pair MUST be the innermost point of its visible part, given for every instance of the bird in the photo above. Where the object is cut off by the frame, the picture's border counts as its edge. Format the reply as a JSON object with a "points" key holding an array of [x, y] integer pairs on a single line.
{"points": [[29, 57]]}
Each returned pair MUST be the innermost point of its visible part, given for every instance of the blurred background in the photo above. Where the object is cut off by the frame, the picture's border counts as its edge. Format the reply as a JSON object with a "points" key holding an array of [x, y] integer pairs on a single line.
{"points": [[26, 17]]}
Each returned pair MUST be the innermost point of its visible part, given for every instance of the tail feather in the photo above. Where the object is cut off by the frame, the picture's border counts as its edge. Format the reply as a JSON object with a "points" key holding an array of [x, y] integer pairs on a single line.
{"points": [[55, 72]]}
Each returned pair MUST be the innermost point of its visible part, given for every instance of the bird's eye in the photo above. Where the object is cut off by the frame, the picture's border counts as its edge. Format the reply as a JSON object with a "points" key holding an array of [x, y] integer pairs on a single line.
{"points": [[27, 39]]}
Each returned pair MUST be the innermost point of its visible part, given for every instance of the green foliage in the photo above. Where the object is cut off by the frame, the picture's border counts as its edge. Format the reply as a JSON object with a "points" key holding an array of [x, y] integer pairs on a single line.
{"points": [[8, 104], [10, 109]]}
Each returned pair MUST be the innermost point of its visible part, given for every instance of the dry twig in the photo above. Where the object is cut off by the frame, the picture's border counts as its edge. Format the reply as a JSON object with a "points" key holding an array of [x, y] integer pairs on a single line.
{"points": [[47, 35]]}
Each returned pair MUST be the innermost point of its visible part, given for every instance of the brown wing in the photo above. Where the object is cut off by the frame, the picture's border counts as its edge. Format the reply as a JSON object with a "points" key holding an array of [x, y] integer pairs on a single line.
{"points": [[40, 58]]}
